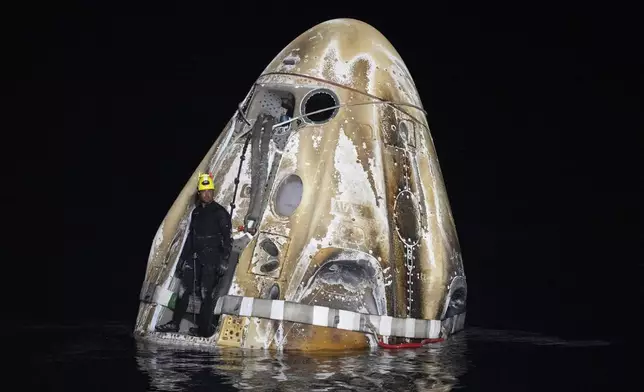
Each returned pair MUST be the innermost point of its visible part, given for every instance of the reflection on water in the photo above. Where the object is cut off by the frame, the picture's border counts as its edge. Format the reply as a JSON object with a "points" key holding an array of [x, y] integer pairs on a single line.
{"points": [[107, 358], [434, 368], [504, 336]]}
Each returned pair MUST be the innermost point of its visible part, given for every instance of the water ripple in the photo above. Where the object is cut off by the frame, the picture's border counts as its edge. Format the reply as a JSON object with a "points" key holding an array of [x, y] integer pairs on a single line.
{"points": [[433, 369], [94, 357]]}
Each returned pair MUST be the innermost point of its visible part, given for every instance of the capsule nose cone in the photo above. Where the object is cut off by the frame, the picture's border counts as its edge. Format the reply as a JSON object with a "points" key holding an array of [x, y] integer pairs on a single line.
{"points": [[350, 53]]}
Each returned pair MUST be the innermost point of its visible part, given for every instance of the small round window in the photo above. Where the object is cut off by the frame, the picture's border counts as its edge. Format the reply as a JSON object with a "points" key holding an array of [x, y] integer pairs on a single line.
{"points": [[288, 195], [315, 102]]}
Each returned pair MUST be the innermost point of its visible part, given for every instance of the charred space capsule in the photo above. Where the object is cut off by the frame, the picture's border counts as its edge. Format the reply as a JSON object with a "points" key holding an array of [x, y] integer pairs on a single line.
{"points": [[346, 235]]}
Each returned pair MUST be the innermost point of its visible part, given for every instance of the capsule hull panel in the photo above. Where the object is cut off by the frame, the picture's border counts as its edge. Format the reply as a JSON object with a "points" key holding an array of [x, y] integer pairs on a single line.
{"points": [[332, 171]]}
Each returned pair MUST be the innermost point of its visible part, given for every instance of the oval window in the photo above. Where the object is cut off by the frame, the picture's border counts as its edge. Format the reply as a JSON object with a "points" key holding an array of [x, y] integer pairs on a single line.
{"points": [[289, 195], [314, 105]]}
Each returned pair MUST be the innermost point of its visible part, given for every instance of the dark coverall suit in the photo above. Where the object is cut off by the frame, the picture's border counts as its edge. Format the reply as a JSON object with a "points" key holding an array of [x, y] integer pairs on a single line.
{"points": [[203, 261]]}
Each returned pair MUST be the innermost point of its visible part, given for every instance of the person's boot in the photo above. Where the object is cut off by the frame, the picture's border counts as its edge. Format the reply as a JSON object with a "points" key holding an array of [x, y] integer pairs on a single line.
{"points": [[194, 331], [170, 326], [209, 332]]}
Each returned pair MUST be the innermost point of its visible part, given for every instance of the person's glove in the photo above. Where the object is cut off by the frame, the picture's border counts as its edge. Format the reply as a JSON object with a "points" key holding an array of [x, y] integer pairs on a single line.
{"points": [[221, 270], [178, 272]]}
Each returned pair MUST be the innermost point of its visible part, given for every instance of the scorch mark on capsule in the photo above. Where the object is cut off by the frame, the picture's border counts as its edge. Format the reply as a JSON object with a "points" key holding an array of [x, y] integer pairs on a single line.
{"points": [[158, 239]]}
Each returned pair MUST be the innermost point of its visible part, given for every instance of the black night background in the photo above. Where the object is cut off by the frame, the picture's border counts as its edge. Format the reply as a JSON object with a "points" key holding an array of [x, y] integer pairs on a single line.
{"points": [[535, 112]]}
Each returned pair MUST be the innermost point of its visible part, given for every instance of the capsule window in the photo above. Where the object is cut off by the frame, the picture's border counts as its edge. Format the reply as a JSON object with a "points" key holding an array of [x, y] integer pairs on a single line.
{"points": [[274, 293], [315, 103], [269, 247], [288, 195], [270, 266]]}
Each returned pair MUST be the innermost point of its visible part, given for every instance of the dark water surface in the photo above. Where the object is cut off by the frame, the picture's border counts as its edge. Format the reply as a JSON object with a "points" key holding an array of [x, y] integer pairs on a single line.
{"points": [[107, 358]]}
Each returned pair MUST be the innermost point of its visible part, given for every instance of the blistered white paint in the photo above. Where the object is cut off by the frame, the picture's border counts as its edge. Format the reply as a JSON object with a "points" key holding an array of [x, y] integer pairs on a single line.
{"points": [[315, 36], [272, 149], [156, 243], [227, 184], [316, 138], [353, 182], [262, 332], [341, 68], [293, 146], [375, 166], [235, 288]]}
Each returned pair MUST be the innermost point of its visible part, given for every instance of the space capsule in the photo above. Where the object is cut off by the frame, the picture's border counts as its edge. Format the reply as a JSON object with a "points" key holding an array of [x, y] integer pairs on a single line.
{"points": [[343, 233]]}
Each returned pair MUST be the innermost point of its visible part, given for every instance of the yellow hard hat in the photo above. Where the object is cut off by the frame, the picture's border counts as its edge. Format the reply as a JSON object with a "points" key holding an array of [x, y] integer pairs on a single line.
{"points": [[206, 182]]}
